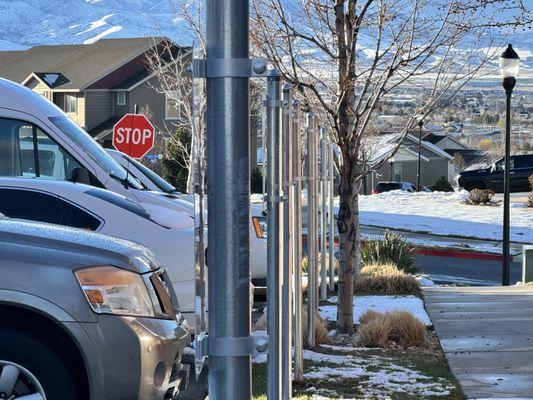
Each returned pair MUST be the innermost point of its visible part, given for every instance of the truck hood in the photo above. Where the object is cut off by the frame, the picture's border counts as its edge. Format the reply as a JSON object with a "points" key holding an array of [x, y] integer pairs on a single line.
{"points": [[75, 246], [474, 172]]}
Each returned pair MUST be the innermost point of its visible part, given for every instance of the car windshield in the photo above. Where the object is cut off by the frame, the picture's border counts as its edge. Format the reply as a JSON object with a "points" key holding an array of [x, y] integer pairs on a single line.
{"points": [[388, 186], [94, 150], [162, 184]]}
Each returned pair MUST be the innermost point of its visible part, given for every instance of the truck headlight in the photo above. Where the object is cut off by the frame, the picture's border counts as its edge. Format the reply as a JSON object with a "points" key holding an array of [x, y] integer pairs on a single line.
{"points": [[260, 227], [111, 290]]}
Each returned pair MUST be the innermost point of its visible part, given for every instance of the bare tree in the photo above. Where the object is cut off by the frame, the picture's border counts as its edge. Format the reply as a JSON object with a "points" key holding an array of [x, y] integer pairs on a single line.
{"points": [[171, 66], [344, 56]]}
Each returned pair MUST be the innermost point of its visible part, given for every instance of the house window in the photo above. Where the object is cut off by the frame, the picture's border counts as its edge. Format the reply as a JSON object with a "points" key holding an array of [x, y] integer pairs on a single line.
{"points": [[71, 104], [172, 107], [121, 98]]}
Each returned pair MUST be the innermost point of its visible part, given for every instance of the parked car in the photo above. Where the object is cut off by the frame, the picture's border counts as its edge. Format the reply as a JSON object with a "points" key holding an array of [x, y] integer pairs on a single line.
{"points": [[86, 317], [169, 235], [492, 177], [382, 187], [158, 185], [38, 140]]}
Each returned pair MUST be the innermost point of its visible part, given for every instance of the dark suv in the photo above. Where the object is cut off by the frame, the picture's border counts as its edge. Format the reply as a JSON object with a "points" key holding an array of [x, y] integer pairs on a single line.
{"points": [[382, 187], [492, 177]]}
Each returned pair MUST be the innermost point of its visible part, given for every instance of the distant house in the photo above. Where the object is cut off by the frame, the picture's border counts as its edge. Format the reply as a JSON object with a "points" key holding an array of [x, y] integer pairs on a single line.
{"points": [[401, 166], [96, 84], [455, 148]]}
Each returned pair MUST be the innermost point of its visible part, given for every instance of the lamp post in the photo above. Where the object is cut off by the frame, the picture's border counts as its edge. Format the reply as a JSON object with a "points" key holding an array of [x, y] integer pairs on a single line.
{"points": [[420, 125], [391, 163], [509, 66]]}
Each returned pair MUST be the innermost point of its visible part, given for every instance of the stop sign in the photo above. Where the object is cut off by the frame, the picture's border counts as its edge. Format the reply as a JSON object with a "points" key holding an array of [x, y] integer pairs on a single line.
{"points": [[134, 135]]}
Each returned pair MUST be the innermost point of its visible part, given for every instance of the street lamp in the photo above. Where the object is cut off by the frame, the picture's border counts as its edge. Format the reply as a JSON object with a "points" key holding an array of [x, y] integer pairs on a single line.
{"points": [[420, 124], [509, 66], [391, 163]]}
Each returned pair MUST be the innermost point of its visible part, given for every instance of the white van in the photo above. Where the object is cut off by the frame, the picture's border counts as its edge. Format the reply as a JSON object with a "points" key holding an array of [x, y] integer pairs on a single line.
{"points": [[39, 141]]}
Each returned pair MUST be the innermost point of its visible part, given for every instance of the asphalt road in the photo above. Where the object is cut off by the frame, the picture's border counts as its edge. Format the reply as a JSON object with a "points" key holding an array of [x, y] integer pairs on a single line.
{"points": [[466, 271]]}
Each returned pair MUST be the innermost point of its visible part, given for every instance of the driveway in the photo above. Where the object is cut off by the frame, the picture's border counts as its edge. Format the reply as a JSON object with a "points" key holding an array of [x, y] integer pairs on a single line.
{"points": [[487, 336]]}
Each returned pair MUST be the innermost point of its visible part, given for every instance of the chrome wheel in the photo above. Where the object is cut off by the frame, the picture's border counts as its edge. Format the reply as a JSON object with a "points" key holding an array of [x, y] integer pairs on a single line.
{"points": [[17, 383]]}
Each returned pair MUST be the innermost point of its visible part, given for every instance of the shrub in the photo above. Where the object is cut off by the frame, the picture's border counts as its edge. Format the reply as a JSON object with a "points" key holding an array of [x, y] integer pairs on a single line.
{"points": [[529, 202], [321, 330], [391, 249], [256, 181], [480, 196], [443, 185], [174, 161], [399, 328], [530, 179], [385, 279]]}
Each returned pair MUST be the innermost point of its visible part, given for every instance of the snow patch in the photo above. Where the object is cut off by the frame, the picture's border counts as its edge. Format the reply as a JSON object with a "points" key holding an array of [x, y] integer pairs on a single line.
{"points": [[381, 304]]}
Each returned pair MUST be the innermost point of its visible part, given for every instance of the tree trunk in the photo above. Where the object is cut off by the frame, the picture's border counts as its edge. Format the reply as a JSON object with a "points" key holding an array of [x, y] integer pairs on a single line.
{"points": [[348, 225]]}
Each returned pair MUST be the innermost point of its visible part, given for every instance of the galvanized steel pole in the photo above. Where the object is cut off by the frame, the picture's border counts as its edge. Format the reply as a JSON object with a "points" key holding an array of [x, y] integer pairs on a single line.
{"points": [[274, 254], [331, 181], [288, 237], [297, 241], [323, 215], [229, 200], [312, 242]]}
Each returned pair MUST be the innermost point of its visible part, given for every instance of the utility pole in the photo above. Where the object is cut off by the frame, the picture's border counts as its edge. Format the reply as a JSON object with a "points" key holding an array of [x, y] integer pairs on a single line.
{"points": [[323, 214], [420, 124], [227, 69], [274, 235], [312, 242], [297, 242]]}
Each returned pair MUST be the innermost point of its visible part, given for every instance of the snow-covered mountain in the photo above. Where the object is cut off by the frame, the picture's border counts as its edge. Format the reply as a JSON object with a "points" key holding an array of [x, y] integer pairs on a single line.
{"points": [[25, 23], [31, 22]]}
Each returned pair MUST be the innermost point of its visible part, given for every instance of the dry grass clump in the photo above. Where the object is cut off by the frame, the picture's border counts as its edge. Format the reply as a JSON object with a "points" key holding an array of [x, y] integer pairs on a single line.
{"points": [[321, 330], [391, 329], [385, 279], [480, 196], [529, 201]]}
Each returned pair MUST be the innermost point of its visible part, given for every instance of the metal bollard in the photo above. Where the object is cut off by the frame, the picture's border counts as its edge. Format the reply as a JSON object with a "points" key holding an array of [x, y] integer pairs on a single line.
{"points": [[286, 245], [274, 255], [312, 242], [323, 214], [297, 242]]}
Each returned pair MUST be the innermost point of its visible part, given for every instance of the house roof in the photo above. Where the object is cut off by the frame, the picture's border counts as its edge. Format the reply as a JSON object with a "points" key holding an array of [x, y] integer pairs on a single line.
{"points": [[80, 65], [384, 146], [437, 138]]}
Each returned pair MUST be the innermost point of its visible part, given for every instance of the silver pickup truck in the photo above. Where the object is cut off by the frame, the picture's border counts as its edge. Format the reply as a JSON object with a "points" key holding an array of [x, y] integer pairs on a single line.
{"points": [[85, 317]]}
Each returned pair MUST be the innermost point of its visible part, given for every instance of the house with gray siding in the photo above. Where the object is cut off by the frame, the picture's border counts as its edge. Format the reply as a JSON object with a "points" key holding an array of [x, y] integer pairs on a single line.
{"points": [[97, 84], [392, 161]]}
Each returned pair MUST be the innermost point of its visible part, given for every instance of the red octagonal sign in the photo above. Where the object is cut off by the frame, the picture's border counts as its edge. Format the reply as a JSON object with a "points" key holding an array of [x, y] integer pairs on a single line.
{"points": [[134, 135]]}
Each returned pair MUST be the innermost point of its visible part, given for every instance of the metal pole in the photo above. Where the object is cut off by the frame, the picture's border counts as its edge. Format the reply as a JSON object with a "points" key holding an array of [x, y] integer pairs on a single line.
{"points": [[323, 214], [508, 84], [274, 254], [229, 202], [312, 242], [263, 154], [286, 298], [297, 242], [420, 124], [331, 220]]}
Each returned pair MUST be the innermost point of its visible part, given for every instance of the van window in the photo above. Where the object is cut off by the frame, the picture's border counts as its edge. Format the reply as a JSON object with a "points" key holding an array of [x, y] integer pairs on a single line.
{"points": [[97, 153], [523, 161], [29, 152], [44, 207]]}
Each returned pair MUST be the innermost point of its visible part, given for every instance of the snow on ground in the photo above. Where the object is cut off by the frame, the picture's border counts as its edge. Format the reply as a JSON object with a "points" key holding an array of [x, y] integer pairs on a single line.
{"points": [[443, 214], [376, 376], [382, 304]]}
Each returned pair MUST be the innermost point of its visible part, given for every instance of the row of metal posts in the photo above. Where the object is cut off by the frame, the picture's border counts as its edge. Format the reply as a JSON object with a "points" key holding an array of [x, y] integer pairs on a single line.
{"points": [[284, 184]]}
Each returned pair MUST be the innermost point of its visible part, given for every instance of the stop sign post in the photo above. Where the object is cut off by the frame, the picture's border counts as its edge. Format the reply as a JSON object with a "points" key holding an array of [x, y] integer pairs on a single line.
{"points": [[134, 135]]}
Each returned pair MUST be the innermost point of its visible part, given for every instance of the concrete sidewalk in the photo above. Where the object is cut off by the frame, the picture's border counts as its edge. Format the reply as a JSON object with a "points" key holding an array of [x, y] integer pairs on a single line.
{"points": [[487, 336]]}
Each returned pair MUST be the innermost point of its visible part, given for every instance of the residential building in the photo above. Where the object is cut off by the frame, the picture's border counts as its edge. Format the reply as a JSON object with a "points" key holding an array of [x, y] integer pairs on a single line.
{"points": [[97, 84], [397, 162]]}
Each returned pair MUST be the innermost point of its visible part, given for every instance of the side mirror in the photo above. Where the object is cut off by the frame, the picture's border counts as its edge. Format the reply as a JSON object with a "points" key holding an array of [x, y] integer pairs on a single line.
{"points": [[81, 175], [493, 168]]}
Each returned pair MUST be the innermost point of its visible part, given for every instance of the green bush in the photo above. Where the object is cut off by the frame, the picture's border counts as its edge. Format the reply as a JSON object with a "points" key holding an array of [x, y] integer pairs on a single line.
{"points": [[391, 249], [256, 181], [443, 185], [174, 169]]}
